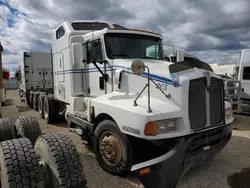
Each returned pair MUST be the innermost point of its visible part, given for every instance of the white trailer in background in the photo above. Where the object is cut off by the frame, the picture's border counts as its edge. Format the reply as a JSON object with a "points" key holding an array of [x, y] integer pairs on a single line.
{"points": [[237, 81], [241, 74], [140, 112], [36, 74], [223, 69]]}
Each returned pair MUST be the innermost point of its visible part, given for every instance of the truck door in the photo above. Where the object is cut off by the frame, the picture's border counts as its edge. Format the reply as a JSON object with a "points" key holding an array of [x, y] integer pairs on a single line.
{"points": [[245, 79], [96, 83]]}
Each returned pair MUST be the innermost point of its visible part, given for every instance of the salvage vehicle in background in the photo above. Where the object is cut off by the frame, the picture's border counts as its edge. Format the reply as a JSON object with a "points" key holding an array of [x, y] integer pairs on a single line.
{"points": [[237, 82], [36, 76]]}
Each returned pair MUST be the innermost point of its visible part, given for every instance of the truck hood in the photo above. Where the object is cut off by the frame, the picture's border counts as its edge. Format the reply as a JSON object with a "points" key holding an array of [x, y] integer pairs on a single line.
{"points": [[156, 67], [165, 71]]}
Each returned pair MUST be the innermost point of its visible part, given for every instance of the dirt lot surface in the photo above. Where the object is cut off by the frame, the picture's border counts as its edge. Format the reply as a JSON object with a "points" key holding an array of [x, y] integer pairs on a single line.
{"points": [[229, 169]]}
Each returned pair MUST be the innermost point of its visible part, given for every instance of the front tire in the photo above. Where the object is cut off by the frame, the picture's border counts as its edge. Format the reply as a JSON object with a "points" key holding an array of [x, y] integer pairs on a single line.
{"points": [[112, 148]]}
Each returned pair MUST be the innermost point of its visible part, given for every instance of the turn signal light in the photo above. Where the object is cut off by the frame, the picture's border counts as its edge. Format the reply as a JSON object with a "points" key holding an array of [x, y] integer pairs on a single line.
{"points": [[150, 129], [144, 171]]}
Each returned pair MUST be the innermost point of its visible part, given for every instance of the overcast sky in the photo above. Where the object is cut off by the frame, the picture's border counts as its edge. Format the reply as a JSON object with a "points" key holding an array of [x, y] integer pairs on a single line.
{"points": [[215, 30]]}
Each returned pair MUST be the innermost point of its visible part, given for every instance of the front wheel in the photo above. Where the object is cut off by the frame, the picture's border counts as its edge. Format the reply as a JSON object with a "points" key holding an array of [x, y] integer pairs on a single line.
{"points": [[112, 148]]}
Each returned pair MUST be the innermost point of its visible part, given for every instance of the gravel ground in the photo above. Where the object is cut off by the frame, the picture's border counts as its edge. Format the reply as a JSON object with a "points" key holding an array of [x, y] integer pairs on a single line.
{"points": [[229, 169]]}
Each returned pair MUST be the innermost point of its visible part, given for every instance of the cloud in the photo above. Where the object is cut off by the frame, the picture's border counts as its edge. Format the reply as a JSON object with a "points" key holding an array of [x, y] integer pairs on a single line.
{"points": [[215, 30]]}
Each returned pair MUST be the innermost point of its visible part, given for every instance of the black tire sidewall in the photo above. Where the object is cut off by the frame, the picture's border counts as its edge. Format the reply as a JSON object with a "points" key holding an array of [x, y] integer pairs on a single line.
{"points": [[34, 102], [28, 127], [46, 101], [125, 164], [40, 110], [50, 108], [48, 147], [7, 130], [31, 99], [28, 98], [3, 168]]}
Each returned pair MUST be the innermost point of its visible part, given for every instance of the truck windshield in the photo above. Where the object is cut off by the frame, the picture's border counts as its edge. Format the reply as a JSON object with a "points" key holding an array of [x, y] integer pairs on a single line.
{"points": [[133, 46]]}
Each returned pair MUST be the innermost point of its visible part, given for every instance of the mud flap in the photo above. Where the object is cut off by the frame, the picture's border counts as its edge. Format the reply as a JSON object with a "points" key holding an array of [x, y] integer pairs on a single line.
{"points": [[167, 170]]}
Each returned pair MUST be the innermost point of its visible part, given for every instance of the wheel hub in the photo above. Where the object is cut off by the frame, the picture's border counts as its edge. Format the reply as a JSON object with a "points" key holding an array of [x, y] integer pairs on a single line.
{"points": [[110, 149]]}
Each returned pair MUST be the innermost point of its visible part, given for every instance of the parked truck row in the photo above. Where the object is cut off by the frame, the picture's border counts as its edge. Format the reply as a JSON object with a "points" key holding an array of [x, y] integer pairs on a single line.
{"points": [[158, 116]]}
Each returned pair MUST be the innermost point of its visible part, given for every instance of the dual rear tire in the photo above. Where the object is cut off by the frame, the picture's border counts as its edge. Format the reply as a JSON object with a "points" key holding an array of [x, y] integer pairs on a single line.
{"points": [[44, 104], [40, 104], [49, 109], [31, 96], [35, 100]]}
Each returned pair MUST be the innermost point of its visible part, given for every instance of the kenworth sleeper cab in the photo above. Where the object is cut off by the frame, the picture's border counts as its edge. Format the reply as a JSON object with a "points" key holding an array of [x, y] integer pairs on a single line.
{"points": [[140, 112]]}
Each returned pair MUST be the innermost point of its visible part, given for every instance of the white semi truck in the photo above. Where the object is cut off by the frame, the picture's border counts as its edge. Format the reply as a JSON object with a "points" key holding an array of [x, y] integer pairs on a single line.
{"points": [[140, 112], [36, 75], [240, 74], [237, 84]]}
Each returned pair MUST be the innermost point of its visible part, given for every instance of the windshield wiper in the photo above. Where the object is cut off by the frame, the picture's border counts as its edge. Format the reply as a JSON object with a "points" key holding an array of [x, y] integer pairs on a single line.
{"points": [[119, 55]]}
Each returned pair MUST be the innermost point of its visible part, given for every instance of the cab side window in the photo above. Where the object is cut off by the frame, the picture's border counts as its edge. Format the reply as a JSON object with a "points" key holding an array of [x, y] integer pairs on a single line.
{"points": [[94, 50], [246, 73], [60, 32], [152, 52]]}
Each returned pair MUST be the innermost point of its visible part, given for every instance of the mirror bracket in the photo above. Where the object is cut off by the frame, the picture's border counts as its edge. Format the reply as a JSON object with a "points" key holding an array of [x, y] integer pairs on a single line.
{"points": [[138, 67]]}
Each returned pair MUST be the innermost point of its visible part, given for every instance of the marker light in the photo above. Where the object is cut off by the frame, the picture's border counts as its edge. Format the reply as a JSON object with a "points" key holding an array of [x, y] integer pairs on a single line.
{"points": [[228, 112], [144, 171], [150, 129]]}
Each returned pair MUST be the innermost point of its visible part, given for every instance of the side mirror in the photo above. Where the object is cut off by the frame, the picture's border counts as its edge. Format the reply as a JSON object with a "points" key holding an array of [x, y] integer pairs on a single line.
{"points": [[138, 67]]}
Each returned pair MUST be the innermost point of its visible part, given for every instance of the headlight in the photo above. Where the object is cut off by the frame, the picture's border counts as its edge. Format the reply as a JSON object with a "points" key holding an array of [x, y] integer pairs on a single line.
{"points": [[153, 128], [165, 126], [228, 112]]}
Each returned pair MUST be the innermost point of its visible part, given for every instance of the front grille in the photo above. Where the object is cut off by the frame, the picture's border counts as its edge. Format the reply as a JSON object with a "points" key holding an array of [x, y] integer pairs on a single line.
{"points": [[216, 99], [197, 103]]}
